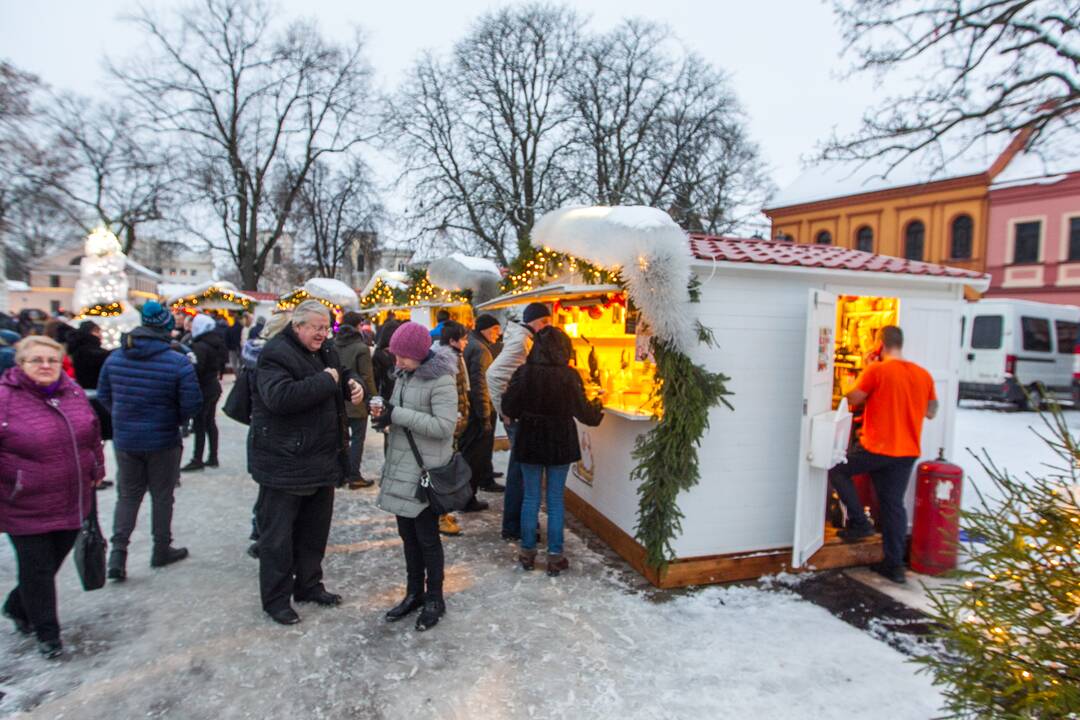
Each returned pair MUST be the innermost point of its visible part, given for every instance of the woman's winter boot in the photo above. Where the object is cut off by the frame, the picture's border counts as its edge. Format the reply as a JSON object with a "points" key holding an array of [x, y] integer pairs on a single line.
{"points": [[118, 565], [527, 558], [434, 609], [412, 601], [556, 564]]}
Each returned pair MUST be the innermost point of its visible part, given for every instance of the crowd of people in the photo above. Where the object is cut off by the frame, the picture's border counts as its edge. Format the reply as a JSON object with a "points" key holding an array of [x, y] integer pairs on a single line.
{"points": [[315, 388]]}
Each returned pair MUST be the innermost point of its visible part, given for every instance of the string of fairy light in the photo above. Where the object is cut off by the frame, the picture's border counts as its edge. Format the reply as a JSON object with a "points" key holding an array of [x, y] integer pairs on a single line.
{"points": [[380, 294], [103, 310], [423, 291], [545, 263], [295, 298], [211, 294]]}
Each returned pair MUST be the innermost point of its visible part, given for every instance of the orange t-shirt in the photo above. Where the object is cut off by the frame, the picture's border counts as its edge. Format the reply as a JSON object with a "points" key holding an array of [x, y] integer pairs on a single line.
{"points": [[898, 394]]}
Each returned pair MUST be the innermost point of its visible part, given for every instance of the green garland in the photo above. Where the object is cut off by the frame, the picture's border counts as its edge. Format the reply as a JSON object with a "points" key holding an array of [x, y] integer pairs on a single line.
{"points": [[667, 455]]}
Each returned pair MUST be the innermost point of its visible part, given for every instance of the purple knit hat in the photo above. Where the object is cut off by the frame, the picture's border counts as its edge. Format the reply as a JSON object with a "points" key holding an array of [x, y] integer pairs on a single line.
{"points": [[411, 340]]}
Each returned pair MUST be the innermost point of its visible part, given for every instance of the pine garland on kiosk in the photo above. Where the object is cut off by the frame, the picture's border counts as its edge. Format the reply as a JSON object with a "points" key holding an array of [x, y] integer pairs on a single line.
{"points": [[1010, 634]]}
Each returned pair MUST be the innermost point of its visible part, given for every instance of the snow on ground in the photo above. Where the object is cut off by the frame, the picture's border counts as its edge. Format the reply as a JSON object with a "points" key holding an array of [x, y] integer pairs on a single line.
{"points": [[190, 641]]}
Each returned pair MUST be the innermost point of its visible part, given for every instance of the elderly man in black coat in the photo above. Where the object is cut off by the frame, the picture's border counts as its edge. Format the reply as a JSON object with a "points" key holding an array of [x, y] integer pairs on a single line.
{"points": [[297, 452]]}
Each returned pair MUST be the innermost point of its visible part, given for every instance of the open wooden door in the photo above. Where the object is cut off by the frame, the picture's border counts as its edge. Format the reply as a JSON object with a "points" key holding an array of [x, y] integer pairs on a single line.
{"points": [[812, 491]]}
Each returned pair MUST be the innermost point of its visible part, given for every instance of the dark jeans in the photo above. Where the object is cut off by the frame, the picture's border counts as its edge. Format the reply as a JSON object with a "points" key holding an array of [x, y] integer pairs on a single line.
{"points": [[205, 426], [890, 476], [293, 530], [477, 446], [357, 435], [423, 553], [515, 489], [136, 472], [39, 558]]}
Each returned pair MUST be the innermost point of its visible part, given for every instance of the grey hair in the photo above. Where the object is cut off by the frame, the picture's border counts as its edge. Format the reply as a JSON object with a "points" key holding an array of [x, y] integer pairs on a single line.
{"points": [[302, 311]]}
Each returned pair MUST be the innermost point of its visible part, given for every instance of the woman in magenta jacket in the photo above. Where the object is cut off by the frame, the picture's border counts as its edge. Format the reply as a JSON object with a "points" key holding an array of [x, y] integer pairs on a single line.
{"points": [[50, 461]]}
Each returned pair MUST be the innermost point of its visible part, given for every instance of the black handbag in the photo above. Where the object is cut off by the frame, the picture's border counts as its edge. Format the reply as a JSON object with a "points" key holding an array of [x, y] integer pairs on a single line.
{"points": [[238, 404], [90, 547], [445, 488]]}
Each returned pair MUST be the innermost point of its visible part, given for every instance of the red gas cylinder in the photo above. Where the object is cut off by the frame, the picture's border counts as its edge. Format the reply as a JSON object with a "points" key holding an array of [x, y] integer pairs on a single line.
{"points": [[935, 531]]}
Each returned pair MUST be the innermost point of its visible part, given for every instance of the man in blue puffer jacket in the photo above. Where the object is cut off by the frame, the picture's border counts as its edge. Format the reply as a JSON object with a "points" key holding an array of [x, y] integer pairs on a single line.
{"points": [[150, 390]]}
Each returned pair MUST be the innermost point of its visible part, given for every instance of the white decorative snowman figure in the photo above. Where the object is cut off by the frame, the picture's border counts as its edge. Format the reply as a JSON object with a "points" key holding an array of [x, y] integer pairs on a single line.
{"points": [[101, 292]]}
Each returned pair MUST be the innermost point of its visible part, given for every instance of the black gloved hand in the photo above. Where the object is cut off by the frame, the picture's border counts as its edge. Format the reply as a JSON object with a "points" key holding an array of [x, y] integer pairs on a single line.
{"points": [[383, 421]]}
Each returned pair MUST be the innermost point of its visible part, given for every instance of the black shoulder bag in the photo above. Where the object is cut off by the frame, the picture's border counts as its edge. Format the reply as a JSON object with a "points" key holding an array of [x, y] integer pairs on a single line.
{"points": [[90, 547], [238, 404], [445, 488]]}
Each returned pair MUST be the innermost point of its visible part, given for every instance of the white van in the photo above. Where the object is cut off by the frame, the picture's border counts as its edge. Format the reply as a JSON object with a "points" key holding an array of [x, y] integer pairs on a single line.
{"points": [[1013, 344]]}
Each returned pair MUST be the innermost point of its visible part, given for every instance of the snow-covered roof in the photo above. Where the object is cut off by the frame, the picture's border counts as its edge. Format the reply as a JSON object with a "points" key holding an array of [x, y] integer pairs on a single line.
{"points": [[333, 291], [396, 280], [834, 179], [18, 286], [1032, 168], [459, 272], [189, 290], [549, 293]]}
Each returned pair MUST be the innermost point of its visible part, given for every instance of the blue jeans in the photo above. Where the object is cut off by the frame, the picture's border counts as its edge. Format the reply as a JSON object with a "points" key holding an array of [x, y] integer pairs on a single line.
{"points": [[357, 434], [530, 506], [512, 497]]}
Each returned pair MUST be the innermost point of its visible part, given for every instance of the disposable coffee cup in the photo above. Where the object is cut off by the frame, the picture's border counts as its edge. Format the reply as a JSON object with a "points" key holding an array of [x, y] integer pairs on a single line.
{"points": [[376, 405]]}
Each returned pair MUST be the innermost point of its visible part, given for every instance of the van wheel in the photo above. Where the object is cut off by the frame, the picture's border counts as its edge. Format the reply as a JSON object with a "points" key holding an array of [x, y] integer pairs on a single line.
{"points": [[1034, 400]]}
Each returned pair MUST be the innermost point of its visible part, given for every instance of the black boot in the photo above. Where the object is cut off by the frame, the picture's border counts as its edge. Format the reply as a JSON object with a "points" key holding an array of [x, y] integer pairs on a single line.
{"points": [[22, 625], [193, 466], [50, 649], [413, 601], [434, 609], [164, 555], [212, 462], [118, 565]]}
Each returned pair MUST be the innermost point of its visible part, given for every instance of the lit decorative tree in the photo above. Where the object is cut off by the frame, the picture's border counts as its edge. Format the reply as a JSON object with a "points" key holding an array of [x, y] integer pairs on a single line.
{"points": [[1011, 632], [101, 292]]}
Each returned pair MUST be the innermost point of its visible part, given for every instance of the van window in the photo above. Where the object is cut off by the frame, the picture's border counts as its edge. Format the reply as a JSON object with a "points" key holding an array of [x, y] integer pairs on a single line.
{"points": [[986, 332], [1036, 334], [1066, 336]]}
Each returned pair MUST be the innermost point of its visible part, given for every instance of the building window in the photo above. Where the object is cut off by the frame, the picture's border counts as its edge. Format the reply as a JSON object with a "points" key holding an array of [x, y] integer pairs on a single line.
{"points": [[914, 240], [360, 262], [183, 272], [276, 255], [1026, 242], [864, 239], [823, 238], [785, 237], [961, 246], [401, 266], [54, 281], [194, 272], [1074, 239]]}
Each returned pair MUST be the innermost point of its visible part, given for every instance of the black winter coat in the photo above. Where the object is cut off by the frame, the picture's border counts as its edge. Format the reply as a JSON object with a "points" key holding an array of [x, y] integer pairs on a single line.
{"points": [[478, 356], [544, 396], [297, 437], [382, 360], [211, 357], [87, 357], [355, 355]]}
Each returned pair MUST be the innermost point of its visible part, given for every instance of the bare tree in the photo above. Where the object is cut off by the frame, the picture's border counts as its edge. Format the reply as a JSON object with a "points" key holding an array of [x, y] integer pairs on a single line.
{"points": [[114, 173], [248, 104], [337, 210], [484, 134], [982, 68]]}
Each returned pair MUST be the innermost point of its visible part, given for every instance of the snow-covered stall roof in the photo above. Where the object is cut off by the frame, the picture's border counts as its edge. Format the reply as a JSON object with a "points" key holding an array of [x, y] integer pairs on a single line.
{"points": [[394, 279], [222, 286], [835, 179], [457, 272], [333, 291], [549, 293]]}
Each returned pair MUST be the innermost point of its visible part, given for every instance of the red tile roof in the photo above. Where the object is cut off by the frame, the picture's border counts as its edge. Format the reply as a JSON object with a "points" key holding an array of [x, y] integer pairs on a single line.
{"points": [[781, 252]]}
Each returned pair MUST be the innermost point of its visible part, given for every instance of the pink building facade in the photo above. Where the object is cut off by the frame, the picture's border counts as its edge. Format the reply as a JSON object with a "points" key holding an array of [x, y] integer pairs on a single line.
{"points": [[1033, 241]]}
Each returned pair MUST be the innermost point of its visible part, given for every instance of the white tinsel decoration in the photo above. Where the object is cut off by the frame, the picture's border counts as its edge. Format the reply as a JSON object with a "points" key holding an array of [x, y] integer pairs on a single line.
{"points": [[650, 250], [458, 272]]}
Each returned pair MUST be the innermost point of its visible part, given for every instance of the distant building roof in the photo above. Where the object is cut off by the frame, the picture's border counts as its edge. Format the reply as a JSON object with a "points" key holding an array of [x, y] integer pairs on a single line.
{"points": [[832, 257]]}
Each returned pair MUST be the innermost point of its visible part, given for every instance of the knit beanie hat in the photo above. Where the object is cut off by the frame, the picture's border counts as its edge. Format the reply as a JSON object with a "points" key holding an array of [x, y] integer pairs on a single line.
{"points": [[201, 325], [411, 340], [485, 321], [157, 317], [535, 311]]}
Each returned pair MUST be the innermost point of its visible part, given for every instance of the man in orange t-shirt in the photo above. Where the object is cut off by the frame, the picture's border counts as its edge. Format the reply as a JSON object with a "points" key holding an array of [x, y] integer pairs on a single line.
{"points": [[898, 395]]}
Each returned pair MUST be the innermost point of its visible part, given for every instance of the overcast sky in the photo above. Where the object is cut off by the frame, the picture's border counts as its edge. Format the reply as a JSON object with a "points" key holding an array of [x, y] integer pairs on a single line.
{"points": [[783, 56]]}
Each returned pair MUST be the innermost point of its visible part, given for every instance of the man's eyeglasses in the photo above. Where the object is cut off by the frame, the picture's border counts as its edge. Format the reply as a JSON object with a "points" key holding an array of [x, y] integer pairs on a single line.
{"points": [[320, 328], [44, 361]]}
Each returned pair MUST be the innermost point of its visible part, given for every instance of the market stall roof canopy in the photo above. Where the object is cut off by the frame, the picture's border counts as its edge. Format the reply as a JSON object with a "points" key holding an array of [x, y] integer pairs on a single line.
{"points": [[333, 291], [222, 286], [831, 257], [392, 278], [550, 293]]}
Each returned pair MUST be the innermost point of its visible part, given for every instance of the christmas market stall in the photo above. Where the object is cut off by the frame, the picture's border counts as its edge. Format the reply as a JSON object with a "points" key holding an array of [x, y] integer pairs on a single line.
{"points": [[334, 294], [384, 296], [216, 297], [721, 364]]}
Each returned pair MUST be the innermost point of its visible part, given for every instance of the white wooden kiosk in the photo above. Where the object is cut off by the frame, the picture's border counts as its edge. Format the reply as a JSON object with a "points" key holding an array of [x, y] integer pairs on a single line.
{"points": [[785, 318]]}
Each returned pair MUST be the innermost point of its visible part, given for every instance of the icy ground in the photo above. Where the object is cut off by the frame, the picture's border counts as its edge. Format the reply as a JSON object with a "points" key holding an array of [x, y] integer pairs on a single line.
{"points": [[190, 641]]}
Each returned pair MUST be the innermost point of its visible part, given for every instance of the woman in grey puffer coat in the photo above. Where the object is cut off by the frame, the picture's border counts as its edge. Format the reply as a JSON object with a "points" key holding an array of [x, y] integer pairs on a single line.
{"points": [[425, 402]]}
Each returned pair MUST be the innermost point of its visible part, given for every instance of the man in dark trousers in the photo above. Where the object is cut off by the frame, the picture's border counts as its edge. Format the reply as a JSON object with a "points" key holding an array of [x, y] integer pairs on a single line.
{"points": [[150, 390], [478, 440], [355, 356], [898, 395], [298, 453]]}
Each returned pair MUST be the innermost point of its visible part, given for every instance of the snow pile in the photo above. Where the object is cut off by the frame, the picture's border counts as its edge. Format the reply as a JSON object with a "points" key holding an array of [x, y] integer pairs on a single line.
{"points": [[396, 280], [650, 250], [333, 291], [461, 272]]}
